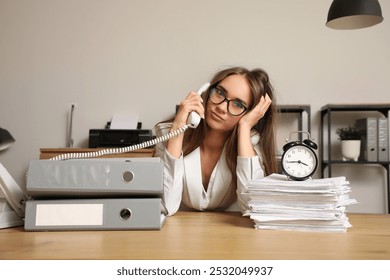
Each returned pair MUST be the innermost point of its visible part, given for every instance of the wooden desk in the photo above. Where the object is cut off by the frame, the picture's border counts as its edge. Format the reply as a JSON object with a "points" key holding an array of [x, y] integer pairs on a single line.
{"points": [[204, 236], [47, 153]]}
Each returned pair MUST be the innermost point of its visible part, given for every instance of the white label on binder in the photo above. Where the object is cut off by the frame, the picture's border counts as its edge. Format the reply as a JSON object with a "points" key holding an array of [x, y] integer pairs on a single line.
{"points": [[69, 215]]}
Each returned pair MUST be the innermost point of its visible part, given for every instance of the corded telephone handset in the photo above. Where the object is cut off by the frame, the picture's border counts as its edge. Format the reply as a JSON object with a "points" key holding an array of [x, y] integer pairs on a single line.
{"points": [[192, 122], [194, 119]]}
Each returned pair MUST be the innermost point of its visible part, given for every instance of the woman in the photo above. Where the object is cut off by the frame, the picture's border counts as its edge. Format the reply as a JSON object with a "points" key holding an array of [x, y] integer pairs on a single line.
{"points": [[207, 168]]}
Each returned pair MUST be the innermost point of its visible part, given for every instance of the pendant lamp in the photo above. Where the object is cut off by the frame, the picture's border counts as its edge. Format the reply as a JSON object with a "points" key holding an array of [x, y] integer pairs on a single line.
{"points": [[6, 139], [354, 14]]}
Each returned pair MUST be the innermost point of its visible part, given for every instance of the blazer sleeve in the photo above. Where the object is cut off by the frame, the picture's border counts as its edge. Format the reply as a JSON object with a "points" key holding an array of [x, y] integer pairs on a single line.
{"points": [[173, 170], [172, 180], [248, 168]]}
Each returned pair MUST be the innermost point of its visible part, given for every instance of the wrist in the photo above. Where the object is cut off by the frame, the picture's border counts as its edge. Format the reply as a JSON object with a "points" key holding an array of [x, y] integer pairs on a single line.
{"points": [[176, 125], [245, 148], [244, 128]]}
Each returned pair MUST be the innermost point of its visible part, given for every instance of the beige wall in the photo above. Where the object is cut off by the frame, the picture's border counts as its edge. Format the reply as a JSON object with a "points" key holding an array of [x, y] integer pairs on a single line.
{"points": [[144, 56]]}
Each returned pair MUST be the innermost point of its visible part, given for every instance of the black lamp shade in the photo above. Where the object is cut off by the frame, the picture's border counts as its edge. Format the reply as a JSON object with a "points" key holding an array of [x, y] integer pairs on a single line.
{"points": [[354, 14], [6, 139]]}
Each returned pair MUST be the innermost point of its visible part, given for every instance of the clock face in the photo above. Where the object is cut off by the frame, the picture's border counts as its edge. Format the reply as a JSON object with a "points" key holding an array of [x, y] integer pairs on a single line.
{"points": [[299, 162]]}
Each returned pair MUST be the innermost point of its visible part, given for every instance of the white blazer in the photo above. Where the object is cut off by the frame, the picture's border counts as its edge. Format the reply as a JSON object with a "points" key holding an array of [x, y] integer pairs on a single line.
{"points": [[183, 185]]}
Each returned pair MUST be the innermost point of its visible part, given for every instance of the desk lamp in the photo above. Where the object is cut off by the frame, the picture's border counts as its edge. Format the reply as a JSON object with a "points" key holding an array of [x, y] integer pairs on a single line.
{"points": [[6, 139], [11, 195], [354, 14]]}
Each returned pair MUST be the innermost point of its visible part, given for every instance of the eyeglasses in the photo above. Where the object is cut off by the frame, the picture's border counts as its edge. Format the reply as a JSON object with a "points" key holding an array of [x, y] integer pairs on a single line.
{"points": [[234, 107]]}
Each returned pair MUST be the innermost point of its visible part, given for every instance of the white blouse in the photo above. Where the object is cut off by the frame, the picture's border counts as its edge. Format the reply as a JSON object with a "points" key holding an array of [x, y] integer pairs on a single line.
{"points": [[183, 181]]}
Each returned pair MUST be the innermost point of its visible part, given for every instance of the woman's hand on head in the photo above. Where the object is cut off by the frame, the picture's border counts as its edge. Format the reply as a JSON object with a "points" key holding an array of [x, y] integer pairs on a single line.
{"points": [[192, 103], [251, 118]]}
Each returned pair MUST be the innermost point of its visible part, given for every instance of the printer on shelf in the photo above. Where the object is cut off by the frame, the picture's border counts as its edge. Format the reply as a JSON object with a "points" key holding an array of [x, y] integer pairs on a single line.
{"points": [[104, 138]]}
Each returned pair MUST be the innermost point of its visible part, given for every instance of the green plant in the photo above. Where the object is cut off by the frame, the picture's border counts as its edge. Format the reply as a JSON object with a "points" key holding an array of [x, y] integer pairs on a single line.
{"points": [[349, 133]]}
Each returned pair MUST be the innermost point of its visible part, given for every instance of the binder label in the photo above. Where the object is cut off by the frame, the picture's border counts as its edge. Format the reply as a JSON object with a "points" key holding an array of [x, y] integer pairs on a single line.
{"points": [[69, 215]]}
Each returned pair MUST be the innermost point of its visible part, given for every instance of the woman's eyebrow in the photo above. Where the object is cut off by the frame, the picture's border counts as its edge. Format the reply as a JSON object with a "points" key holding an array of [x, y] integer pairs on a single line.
{"points": [[221, 88]]}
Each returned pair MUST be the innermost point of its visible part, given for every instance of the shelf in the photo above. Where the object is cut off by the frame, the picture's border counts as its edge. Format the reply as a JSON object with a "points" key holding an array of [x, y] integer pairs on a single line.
{"points": [[326, 112], [355, 162], [382, 108], [47, 153]]}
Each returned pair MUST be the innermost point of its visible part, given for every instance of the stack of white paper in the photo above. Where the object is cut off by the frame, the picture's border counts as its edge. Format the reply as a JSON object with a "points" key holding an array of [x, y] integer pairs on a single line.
{"points": [[275, 202]]}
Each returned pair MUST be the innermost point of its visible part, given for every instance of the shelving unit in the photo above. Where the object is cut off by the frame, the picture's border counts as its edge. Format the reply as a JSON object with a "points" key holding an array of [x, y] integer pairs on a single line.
{"points": [[299, 112], [326, 112], [298, 109]]}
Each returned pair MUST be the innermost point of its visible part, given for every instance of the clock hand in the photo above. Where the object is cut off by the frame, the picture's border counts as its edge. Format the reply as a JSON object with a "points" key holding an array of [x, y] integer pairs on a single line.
{"points": [[297, 161], [302, 163]]}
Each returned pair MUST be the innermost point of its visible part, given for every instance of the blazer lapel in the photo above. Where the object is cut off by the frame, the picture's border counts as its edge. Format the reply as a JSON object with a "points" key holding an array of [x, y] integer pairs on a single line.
{"points": [[220, 181], [193, 175]]}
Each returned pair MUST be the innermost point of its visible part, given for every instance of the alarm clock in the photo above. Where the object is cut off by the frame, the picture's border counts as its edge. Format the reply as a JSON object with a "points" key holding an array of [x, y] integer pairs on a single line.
{"points": [[299, 161]]}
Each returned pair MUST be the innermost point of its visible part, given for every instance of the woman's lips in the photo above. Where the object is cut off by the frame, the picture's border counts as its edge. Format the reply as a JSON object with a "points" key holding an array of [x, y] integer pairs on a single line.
{"points": [[217, 116]]}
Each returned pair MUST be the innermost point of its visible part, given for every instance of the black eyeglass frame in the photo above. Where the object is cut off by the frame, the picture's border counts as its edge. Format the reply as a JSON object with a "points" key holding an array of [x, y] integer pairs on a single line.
{"points": [[227, 101]]}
